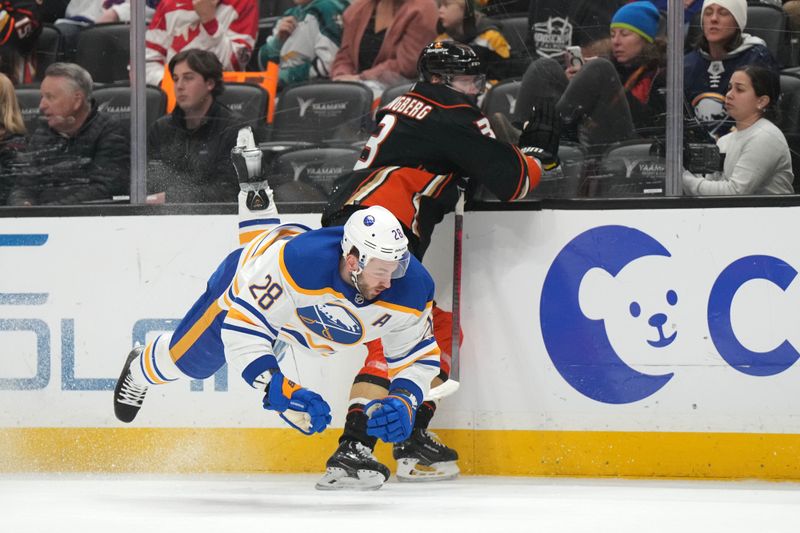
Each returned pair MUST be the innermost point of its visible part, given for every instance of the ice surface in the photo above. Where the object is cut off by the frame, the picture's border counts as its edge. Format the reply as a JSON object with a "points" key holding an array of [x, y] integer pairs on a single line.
{"points": [[262, 503]]}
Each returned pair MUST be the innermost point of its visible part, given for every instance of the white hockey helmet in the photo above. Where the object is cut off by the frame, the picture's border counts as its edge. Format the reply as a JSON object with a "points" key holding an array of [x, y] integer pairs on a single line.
{"points": [[377, 234]]}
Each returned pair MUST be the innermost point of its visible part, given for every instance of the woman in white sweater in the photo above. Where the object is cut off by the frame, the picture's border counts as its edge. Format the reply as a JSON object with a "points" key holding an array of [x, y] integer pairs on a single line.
{"points": [[757, 157]]}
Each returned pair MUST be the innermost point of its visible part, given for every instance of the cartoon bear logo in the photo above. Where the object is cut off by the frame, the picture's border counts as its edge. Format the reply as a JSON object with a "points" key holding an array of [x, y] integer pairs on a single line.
{"points": [[601, 330], [638, 308]]}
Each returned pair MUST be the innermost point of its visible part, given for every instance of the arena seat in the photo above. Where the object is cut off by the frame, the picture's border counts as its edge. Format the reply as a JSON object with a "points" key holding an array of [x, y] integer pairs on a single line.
{"points": [[29, 98], [317, 167], [790, 120], [49, 49], [769, 22], [563, 181], [393, 92], [323, 112], [249, 101], [116, 100], [629, 168], [501, 98], [515, 30], [104, 50]]}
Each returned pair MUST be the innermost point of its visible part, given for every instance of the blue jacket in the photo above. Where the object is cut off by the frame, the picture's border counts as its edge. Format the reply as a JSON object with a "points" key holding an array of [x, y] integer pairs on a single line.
{"points": [[705, 81]]}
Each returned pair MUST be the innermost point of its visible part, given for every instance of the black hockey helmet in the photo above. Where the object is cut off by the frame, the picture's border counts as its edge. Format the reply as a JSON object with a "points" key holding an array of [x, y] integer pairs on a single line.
{"points": [[448, 59]]}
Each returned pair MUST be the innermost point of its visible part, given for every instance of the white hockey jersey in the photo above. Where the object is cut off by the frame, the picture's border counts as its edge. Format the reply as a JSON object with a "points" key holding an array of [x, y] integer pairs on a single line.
{"points": [[288, 287]]}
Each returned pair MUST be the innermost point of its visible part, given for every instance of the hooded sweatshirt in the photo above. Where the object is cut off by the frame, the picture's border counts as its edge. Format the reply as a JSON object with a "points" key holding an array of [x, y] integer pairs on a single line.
{"points": [[705, 81]]}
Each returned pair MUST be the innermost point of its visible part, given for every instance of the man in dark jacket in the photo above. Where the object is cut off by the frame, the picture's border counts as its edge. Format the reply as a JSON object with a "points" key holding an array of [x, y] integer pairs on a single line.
{"points": [[189, 150], [79, 155]]}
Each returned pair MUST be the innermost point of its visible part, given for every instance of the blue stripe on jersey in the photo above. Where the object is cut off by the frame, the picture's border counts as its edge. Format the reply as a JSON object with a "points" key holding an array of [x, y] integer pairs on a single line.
{"points": [[261, 318], [297, 336], [258, 366], [437, 364], [258, 222], [414, 351], [249, 332]]}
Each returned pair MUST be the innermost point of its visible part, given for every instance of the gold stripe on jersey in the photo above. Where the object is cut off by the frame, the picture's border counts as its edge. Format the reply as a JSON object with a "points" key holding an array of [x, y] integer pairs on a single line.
{"points": [[394, 371], [257, 249], [247, 237], [316, 346], [402, 308], [191, 336], [147, 357], [373, 182], [235, 314]]}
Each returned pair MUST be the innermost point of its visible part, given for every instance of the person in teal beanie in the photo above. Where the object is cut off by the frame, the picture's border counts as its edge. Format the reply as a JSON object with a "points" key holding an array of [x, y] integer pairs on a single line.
{"points": [[606, 99], [305, 40]]}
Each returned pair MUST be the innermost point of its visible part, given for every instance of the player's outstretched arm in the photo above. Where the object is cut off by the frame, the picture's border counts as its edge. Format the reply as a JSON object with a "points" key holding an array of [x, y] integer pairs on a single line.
{"points": [[301, 408]]}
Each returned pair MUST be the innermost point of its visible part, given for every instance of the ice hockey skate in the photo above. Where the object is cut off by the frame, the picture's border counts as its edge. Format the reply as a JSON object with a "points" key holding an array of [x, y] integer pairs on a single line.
{"points": [[128, 394], [353, 467], [251, 166], [423, 457]]}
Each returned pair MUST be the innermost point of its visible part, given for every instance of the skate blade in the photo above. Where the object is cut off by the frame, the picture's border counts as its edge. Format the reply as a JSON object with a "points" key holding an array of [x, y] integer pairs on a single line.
{"points": [[337, 479], [409, 470]]}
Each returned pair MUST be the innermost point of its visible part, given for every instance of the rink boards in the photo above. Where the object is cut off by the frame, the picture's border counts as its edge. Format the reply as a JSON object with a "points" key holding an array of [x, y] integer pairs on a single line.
{"points": [[597, 343]]}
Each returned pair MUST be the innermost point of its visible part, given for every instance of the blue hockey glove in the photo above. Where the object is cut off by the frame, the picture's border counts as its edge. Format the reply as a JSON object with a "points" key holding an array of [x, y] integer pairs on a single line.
{"points": [[301, 408], [391, 419]]}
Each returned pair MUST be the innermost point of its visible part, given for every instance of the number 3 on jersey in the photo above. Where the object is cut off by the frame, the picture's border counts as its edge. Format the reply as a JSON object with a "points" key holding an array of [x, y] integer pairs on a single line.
{"points": [[373, 145]]}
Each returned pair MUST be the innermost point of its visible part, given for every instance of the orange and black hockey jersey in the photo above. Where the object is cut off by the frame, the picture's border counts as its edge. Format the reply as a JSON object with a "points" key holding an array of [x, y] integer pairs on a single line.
{"points": [[426, 141]]}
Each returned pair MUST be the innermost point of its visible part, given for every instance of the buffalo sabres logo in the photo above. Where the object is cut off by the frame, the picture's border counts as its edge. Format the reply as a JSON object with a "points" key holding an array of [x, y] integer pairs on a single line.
{"points": [[333, 322]]}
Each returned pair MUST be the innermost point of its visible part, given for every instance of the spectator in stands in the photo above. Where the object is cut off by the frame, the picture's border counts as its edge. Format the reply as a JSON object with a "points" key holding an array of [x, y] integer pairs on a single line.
{"points": [[80, 14], [12, 134], [305, 40], [225, 27], [792, 9], [757, 158], [557, 24], [79, 155], [382, 40], [606, 100], [722, 49], [460, 21], [120, 11], [20, 26], [192, 145]]}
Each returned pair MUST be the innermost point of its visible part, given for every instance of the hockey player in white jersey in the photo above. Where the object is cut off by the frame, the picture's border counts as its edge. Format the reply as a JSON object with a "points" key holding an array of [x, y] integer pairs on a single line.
{"points": [[320, 290]]}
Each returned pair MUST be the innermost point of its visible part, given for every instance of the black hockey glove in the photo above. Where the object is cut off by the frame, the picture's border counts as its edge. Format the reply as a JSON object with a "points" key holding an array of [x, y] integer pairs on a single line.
{"points": [[541, 133]]}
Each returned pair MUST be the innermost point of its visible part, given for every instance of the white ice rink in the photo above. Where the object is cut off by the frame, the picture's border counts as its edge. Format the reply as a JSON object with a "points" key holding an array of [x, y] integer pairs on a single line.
{"points": [[267, 503]]}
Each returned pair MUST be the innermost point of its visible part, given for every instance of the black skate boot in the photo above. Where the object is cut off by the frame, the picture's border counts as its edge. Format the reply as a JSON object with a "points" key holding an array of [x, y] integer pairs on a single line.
{"points": [[424, 457], [128, 395], [352, 466]]}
